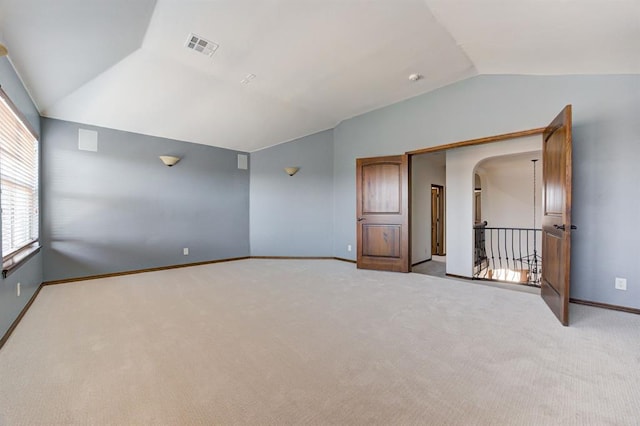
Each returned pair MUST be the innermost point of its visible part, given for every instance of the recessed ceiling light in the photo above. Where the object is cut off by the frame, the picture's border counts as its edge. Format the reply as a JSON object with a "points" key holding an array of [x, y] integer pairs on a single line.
{"points": [[416, 77], [197, 43]]}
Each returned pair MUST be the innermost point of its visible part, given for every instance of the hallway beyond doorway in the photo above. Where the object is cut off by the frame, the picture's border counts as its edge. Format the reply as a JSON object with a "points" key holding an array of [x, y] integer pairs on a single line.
{"points": [[436, 267]]}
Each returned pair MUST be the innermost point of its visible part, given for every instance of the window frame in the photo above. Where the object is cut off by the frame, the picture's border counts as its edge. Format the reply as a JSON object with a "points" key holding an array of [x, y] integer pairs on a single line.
{"points": [[21, 255]]}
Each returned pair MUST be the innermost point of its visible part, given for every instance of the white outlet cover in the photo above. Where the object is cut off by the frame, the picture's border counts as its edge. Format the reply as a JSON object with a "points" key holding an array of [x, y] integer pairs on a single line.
{"points": [[621, 283], [185, 251]]}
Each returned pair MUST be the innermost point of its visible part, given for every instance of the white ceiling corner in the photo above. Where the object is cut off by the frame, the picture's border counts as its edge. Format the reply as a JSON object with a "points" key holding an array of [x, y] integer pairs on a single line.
{"points": [[123, 64], [60, 45], [545, 37]]}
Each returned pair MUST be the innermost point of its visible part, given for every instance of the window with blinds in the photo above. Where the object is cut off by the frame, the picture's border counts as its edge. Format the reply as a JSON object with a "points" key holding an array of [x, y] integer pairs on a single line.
{"points": [[19, 180]]}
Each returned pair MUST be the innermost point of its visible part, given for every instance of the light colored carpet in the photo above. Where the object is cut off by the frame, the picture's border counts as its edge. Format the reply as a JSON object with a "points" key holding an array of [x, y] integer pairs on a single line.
{"points": [[313, 342]]}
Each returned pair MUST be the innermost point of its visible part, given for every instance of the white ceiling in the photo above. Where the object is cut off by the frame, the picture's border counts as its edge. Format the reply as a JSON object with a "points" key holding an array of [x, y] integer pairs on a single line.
{"points": [[123, 63], [520, 160]]}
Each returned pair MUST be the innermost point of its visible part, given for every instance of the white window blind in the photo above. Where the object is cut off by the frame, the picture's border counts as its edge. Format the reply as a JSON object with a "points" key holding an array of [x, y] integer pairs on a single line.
{"points": [[19, 180]]}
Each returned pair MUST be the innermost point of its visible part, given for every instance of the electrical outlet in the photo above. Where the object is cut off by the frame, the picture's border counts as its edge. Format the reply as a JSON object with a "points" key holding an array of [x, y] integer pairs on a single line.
{"points": [[185, 251], [18, 289], [621, 283], [348, 247]]}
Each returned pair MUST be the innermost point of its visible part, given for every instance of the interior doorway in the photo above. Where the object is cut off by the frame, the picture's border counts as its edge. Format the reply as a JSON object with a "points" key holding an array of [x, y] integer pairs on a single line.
{"points": [[428, 214], [459, 212], [507, 240]]}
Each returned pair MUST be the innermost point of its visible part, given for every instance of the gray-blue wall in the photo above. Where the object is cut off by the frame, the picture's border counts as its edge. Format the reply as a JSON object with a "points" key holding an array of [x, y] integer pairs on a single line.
{"points": [[121, 209], [293, 215], [606, 129], [29, 275]]}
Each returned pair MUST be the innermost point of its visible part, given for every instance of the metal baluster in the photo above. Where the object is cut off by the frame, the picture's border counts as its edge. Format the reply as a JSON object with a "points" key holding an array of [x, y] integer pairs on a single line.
{"points": [[507, 231], [499, 252], [493, 260], [520, 247]]}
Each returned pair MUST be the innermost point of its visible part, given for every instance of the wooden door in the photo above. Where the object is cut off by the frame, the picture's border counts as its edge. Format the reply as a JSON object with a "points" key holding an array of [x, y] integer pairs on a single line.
{"points": [[437, 220], [382, 186], [434, 220], [556, 220]]}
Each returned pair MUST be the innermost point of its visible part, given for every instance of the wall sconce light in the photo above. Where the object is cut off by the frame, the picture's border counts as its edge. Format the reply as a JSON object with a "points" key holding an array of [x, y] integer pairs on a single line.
{"points": [[3, 50], [291, 170], [169, 160]]}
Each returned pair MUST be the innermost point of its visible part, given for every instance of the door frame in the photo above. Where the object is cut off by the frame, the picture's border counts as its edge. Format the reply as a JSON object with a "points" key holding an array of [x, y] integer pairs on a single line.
{"points": [[479, 141], [471, 142]]}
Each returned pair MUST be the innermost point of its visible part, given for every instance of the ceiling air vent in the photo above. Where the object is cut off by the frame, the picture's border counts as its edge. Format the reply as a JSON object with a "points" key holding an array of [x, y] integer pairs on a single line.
{"points": [[197, 43]]}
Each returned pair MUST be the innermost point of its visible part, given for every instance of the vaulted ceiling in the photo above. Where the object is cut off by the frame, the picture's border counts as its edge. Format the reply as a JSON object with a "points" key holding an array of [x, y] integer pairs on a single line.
{"points": [[124, 64]]}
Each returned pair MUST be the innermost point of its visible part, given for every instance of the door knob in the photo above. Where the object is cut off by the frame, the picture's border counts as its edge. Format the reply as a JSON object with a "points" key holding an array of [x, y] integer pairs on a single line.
{"points": [[562, 227], [360, 219]]}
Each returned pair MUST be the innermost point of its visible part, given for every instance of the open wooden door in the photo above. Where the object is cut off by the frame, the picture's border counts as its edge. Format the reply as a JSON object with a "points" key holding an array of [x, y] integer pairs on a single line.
{"points": [[382, 186], [434, 220], [437, 222], [556, 220]]}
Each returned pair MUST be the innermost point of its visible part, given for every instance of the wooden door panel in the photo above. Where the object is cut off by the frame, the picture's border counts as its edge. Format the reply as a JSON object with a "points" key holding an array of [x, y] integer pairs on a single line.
{"points": [[381, 240], [551, 274], [554, 168], [382, 191], [382, 186], [556, 221], [551, 298]]}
